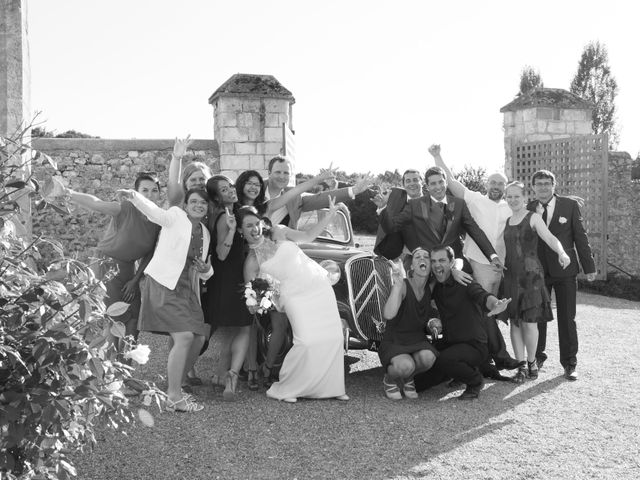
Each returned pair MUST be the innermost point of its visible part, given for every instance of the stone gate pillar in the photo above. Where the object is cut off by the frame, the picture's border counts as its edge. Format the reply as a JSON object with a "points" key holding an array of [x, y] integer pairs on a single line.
{"points": [[544, 114], [248, 114], [15, 85]]}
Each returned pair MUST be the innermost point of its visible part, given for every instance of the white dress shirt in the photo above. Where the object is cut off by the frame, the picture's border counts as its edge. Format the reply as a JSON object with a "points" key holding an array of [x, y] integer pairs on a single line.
{"points": [[491, 217]]}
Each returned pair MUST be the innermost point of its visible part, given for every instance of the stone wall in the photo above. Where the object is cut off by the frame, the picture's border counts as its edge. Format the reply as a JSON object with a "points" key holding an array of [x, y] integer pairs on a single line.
{"points": [[623, 225], [100, 167]]}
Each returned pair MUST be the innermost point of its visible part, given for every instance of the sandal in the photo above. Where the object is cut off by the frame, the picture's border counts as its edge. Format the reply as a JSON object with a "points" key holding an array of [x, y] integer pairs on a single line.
{"points": [[252, 380], [391, 390], [409, 389], [185, 404], [521, 374], [533, 369], [231, 383]]}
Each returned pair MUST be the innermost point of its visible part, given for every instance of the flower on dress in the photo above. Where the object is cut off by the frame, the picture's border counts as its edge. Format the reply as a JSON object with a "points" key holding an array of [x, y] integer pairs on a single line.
{"points": [[562, 220], [448, 214]]}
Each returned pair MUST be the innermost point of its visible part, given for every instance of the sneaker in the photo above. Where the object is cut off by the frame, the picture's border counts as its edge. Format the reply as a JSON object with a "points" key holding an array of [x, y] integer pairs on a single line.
{"points": [[533, 369], [409, 390], [570, 373], [471, 392], [391, 389]]}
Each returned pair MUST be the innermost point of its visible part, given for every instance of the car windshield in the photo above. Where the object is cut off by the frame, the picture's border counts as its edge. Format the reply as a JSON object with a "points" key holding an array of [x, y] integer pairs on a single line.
{"points": [[336, 231]]}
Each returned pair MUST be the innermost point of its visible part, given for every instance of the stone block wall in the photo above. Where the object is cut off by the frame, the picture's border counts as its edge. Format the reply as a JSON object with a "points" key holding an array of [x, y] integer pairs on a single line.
{"points": [[249, 132], [623, 222], [542, 123], [100, 167]]}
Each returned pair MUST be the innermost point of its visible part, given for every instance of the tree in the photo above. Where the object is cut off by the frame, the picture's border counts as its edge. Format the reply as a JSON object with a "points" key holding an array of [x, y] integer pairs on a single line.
{"points": [[473, 178], [529, 79], [593, 81]]}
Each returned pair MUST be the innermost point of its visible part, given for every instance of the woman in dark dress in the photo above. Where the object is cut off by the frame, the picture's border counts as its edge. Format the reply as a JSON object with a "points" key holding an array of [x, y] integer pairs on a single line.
{"points": [[524, 279], [404, 350], [224, 303]]}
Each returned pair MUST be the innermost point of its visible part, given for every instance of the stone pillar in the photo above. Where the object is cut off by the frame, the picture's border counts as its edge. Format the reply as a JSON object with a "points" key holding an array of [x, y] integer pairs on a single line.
{"points": [[248, 114], [15, 85], [544, 114]]}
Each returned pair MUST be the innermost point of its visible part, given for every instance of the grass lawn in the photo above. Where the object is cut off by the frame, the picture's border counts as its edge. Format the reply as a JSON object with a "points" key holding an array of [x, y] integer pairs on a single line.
{"points": [[548, 428]]}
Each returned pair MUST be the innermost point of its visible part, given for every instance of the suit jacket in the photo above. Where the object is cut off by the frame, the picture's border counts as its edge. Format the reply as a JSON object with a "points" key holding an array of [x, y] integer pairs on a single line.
{"points": [[424, 234], [307, 202], [390, 245], [566, 225]]}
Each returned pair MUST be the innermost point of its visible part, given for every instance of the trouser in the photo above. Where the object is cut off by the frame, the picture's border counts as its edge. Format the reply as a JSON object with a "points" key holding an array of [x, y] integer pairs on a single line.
{"points": [[489, 279], [460, 361], [566, 289]]}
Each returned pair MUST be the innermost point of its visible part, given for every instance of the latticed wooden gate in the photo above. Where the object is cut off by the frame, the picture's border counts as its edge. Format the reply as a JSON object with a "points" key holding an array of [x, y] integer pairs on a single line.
{"points": [[580, 166]]}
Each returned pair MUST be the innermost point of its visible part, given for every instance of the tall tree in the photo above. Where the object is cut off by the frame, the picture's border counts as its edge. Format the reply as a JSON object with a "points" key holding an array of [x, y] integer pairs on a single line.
{"points": [[529, 79], [593, 81]]}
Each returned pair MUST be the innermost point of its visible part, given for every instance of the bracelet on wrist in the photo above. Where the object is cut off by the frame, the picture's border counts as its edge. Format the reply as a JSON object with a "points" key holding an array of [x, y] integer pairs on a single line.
{"points": [[228, 245]]}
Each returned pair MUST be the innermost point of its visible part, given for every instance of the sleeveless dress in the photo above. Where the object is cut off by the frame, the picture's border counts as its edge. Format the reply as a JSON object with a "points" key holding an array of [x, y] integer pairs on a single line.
{"points": [[524, 275], [314, 367], [224, 303], [405, 333], [164, 310]]}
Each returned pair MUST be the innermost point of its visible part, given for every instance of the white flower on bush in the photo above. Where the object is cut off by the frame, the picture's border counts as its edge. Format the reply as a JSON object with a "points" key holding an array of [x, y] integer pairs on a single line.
{"points": [[248, 292], [140, 354]]}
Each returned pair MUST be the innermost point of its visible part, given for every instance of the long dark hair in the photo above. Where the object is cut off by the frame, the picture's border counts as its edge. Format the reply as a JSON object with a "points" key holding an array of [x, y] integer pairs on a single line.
{"points": [[259, 203], [250, 211]]}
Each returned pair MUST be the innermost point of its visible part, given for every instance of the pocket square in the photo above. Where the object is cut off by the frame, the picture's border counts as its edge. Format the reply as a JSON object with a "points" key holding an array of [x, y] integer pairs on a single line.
{"points": [[562, 220]]}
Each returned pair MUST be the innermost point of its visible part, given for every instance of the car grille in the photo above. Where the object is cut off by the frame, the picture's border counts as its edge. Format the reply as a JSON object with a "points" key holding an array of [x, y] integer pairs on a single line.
{"points": [[369, 281]]}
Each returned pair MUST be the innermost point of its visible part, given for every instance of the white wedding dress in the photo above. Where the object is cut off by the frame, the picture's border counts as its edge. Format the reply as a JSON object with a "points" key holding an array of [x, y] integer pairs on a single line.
{"points": [[314, 367]]}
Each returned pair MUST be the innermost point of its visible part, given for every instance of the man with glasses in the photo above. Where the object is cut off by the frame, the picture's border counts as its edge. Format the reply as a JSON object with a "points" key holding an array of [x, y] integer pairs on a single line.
{"points": [[562, 216]]}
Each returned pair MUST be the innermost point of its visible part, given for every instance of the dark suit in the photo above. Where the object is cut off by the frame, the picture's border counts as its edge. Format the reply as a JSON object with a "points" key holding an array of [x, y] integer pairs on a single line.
{"points": [[416, 222], [566, 225], [390, 245]]}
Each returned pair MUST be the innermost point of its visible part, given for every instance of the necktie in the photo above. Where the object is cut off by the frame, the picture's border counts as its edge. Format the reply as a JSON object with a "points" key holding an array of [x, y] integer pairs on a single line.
{"points": [[544, 213], [443, 222]]}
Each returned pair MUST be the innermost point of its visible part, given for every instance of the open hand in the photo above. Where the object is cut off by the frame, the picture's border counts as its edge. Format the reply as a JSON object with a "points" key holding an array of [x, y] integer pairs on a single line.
{"points": [[328, 173], [181, 146], [363, 183], [129, 290], [397, 272], [499, 306]]}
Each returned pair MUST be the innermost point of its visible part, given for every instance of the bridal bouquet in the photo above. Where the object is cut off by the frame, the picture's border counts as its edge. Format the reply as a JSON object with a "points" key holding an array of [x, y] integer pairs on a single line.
{"points": [[259, 295]]}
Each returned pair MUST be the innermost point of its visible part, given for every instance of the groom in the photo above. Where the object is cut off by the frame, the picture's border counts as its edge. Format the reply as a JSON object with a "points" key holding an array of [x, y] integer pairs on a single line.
{"points": [[562, 216]]}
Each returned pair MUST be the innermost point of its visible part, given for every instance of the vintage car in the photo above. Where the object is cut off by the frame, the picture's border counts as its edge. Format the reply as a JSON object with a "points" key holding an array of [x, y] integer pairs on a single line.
{"points": [[361, 281]]}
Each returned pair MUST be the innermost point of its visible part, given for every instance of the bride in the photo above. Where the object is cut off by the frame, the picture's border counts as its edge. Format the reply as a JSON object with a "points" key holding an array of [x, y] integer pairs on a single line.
{"points": [[314, 367]]}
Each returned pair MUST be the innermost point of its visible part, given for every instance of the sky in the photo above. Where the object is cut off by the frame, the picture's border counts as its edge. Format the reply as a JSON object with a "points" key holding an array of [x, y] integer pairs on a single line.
{"points": [[375, 82]]}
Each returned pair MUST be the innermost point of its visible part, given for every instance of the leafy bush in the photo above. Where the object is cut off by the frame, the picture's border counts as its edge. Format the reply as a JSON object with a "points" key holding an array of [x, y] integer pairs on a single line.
{"points": [[60, 372], [616, 285]]}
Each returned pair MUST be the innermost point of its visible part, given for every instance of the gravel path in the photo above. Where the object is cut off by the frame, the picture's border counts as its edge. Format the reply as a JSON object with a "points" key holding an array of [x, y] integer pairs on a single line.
{"points": [[549, 428]]}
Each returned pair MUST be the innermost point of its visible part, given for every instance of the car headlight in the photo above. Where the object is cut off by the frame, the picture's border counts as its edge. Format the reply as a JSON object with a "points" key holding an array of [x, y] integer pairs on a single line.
{"points": [[333, 270]]}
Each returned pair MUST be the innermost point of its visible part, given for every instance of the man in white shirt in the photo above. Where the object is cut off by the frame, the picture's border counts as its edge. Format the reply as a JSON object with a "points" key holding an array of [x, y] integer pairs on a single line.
{"points": [[490, 212]]}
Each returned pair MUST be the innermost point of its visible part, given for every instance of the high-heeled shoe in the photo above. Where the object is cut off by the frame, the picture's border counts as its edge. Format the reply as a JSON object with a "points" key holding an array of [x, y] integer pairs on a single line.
{"points": [[231, 383]]}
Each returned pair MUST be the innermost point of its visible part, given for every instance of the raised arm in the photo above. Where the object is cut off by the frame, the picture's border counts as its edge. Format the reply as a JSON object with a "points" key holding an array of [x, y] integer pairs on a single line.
{"points": [[340, 195], [280, 201], [154, 213], [456, 187], [175, 192], [397, 294], [304, 236], [93, 203], [226, 230]]}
